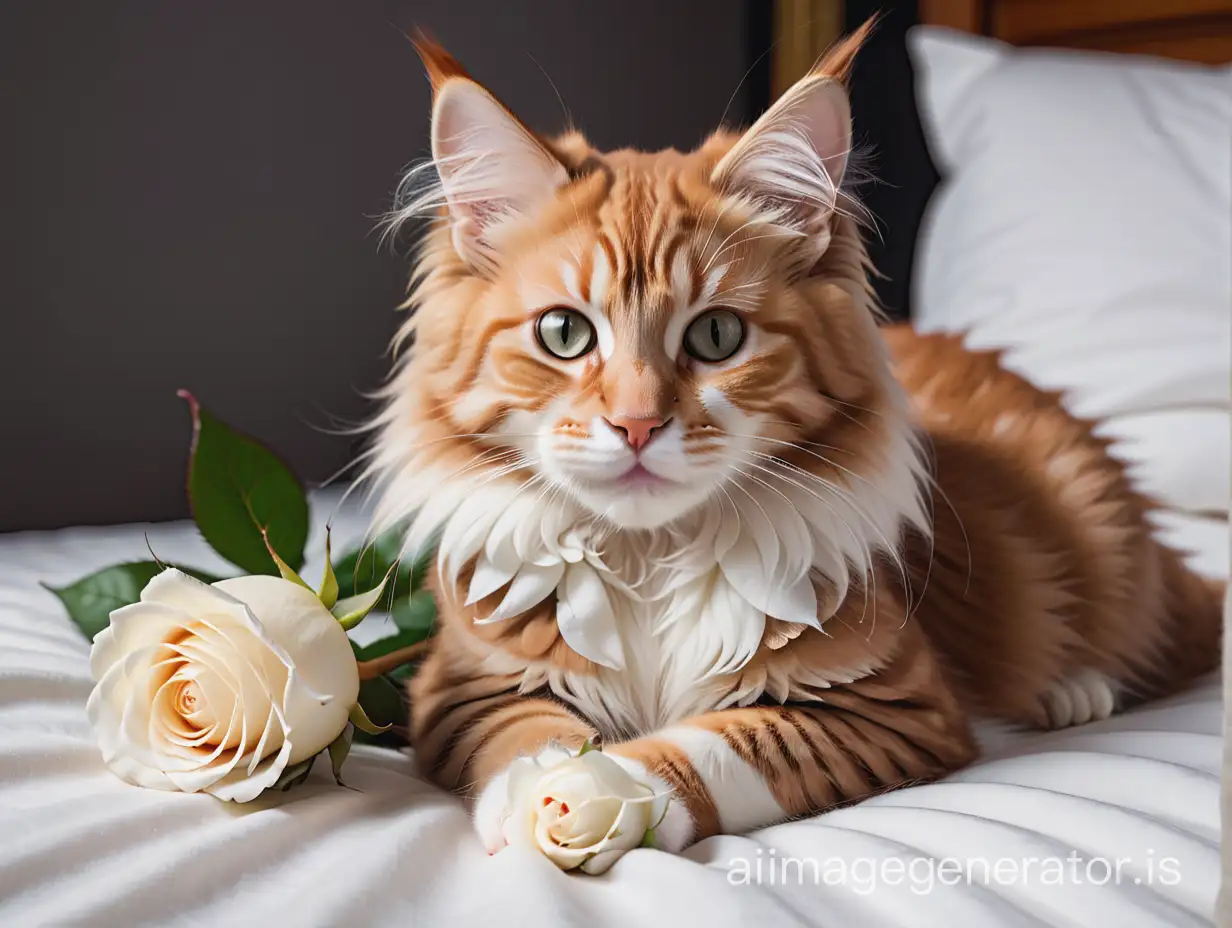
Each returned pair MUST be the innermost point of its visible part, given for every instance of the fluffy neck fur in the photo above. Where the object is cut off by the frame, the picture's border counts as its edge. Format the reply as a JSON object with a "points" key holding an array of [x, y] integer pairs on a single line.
{"points": [[786, 551]]}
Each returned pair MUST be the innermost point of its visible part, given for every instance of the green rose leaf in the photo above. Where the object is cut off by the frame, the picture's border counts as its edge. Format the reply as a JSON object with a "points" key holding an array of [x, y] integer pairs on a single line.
{"points": [[91, 599], [237, 487]]}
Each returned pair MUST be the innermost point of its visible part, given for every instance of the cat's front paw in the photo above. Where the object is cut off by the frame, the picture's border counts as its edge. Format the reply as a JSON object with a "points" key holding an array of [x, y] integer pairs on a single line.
{"points": [[581, 811]]}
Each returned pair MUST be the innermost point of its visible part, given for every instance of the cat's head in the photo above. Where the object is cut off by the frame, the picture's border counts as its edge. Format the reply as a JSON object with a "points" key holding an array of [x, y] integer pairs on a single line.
{"points": [[641, 332]]}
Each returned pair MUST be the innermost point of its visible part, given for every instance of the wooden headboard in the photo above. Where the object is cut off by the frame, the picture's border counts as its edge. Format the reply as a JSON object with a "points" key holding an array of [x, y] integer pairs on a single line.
{"points": [[1193, 30]]}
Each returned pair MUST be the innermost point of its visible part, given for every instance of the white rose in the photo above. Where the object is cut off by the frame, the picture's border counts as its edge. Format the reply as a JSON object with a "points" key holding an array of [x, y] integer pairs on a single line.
{"points": [[219, 688], [585, 811]]}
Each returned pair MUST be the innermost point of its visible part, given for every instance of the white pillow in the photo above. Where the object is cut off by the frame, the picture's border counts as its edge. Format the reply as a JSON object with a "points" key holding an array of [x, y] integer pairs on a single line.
{"points": [[1084, 222]]}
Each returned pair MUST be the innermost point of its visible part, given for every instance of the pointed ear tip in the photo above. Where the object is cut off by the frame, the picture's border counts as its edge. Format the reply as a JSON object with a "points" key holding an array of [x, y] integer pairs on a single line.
{"points": [[438, 62], [839, 61]]}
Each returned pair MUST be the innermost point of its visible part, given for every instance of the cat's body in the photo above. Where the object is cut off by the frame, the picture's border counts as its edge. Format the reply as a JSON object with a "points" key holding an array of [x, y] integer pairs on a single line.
{"points": [[1041, 583], [687, 507]]}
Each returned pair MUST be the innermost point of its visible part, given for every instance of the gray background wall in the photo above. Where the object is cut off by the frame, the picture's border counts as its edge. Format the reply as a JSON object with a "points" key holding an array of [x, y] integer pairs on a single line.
{"points": [[187, 195]]}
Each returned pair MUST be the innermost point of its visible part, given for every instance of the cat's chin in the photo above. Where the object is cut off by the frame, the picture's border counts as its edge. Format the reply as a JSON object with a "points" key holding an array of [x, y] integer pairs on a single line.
{"points": [[634, 505]]}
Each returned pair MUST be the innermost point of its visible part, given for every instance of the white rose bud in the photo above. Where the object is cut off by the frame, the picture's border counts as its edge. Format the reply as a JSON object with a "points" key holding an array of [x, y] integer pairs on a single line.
{"points": [[585, 811], [219, 688]]}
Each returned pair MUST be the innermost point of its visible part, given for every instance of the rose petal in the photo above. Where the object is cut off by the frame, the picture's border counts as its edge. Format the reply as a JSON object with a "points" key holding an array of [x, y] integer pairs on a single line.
{"points": [[222, 690], [271, 739], [322, 682], [611, 779], [187, 595], [212, 767], [134, 763], [133, 628], [135, 718], [589, 822], [301, 634], [500, 549], [227, 751], [628, 829], [601, 862], [243, 786], [192, 724], [233, 599], [658, 809], [226, 657], [241, 762], [225, 648], [568, 779], [168, 725], [218, 693], [564, 857]]}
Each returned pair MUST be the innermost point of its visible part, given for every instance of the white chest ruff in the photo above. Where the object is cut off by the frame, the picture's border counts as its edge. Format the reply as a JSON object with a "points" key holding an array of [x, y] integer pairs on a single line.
{"points": [[674, 664], [663, 628], [683, 656], [670, 615]]}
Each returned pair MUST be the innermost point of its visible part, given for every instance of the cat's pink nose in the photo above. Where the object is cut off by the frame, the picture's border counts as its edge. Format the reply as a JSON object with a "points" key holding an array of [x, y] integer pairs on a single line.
{"points": [[637, 431]]}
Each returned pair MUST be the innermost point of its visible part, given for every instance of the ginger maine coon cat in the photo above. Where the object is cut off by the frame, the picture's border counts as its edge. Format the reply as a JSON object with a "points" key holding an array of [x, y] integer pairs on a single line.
{"points": [[694, 503]]}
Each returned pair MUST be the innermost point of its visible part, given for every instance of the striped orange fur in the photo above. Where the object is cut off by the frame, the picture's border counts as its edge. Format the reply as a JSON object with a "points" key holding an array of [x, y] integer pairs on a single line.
{"points": [[773, 556]]}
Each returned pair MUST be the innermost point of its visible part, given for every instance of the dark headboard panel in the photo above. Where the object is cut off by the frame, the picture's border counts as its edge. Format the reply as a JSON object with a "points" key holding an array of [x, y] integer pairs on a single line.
{"points": [[888, 125], [887, 128], [189, 203]]}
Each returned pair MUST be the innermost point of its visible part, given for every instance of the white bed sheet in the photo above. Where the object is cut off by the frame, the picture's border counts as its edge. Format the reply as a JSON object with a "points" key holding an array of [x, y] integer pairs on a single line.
{"points": [[79, 847]]}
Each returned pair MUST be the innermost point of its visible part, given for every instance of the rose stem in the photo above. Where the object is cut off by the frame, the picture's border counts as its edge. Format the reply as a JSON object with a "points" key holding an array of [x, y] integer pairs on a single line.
{"points": [[391, 661]]}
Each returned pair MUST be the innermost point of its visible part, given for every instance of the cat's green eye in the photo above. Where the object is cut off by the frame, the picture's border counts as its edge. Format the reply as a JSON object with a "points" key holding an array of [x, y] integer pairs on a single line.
{"points": [[565, 333], [714, 336]]}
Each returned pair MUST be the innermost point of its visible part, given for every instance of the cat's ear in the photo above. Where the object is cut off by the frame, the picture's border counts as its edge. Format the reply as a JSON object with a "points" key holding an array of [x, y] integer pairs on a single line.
{"points": [[492, 167], [791, 162]]}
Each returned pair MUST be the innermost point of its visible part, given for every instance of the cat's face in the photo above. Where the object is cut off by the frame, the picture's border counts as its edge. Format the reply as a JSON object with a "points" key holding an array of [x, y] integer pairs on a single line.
{"points": [[644, 353], [642, 332]]}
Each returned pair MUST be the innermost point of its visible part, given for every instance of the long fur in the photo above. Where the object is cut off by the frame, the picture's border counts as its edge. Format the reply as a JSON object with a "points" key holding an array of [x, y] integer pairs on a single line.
{"points": [[844, 542]]}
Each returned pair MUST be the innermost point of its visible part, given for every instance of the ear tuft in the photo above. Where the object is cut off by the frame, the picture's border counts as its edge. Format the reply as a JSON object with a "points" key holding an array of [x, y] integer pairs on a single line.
{"points": [[439, 64], [839, 60]]}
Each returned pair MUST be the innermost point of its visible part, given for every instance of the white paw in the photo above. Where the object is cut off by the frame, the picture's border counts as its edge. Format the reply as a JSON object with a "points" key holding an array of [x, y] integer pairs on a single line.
{"points": [[675, 832], [1086, 696]]}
